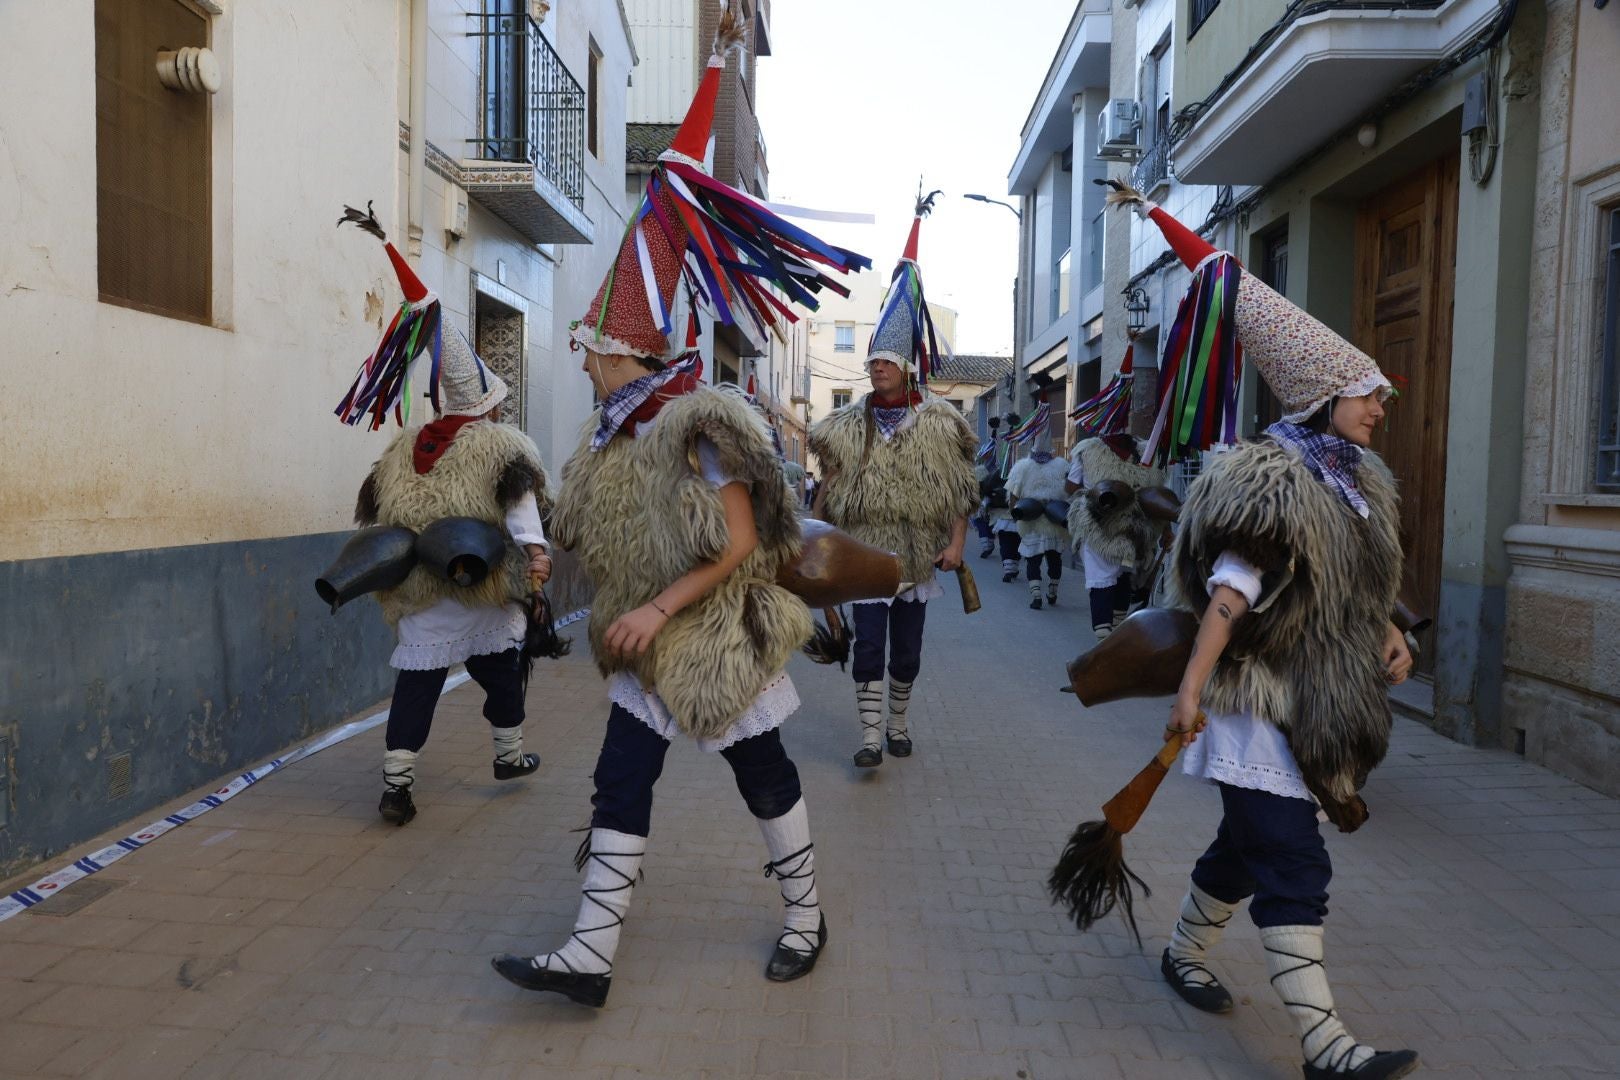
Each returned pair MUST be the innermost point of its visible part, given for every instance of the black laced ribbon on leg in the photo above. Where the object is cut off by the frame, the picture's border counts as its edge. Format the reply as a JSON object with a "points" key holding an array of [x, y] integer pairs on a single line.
{"points": [[786, 870]]}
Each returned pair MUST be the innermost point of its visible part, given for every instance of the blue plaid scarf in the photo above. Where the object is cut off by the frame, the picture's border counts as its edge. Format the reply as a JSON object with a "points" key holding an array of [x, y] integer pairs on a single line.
{"points": [[617, 406], [1331, 459]]}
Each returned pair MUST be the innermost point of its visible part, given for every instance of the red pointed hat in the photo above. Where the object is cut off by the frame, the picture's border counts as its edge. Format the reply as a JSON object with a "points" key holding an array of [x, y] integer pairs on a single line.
{"points": [[631, 314], [1304, 362]]}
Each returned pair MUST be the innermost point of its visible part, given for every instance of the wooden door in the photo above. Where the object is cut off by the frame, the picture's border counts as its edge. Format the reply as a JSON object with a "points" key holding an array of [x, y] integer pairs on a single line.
{"points": [[1406, 244]]}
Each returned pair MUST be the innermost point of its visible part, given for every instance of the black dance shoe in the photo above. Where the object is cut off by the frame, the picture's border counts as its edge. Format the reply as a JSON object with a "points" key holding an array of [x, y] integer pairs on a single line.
{"points": [[589, 990], [396, 807], [788, 964], [1209, 997], [868, 757], [506, 771], [1382, 1066], [899, 743]]}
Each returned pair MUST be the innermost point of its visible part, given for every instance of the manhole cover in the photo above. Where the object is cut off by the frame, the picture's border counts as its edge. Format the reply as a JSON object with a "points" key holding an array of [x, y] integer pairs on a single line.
{"points": [[78, 896]]}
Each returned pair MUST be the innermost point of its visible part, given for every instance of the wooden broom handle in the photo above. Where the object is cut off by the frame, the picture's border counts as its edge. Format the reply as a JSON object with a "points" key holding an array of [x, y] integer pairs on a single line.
{"points": [[1125, 809]]}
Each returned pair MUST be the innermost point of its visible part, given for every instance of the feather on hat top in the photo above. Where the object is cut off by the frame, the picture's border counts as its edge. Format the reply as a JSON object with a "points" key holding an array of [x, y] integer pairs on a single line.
{"points": [[382, 385], [728, 248], [1304, 362], [904, 332]]}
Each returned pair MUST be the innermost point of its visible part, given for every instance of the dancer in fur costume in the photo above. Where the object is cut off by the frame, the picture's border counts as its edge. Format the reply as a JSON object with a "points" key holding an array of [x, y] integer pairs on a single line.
{"points": [[1116, 538], [1040, 477], [898, 468], [465, 463], [1289, 547], [676, 504]]}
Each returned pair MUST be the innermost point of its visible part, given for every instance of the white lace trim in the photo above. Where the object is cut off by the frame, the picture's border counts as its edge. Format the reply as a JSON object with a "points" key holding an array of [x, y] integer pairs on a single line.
{"points": [[1242, 750], [920, 593], [1268, 778], [445, 653], [1372, 382], [778, 701], [448, 633]]}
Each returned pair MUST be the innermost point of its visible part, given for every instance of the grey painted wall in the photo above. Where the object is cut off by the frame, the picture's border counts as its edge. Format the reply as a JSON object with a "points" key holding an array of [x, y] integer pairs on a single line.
{"points": [[196, 661]]}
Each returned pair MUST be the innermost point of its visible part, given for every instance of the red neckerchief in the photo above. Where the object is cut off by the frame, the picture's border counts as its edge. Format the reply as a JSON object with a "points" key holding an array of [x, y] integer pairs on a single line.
{"points": [[434, 439], [684, 383], [913, 399]]}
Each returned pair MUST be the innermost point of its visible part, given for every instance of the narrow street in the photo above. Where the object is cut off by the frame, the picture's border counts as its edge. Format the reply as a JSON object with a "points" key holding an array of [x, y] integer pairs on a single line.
{"points": [[290, 933]]}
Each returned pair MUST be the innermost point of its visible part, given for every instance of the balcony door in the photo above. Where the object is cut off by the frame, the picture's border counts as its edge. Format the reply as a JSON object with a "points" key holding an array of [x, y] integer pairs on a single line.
{"points": [[1406, 245]]}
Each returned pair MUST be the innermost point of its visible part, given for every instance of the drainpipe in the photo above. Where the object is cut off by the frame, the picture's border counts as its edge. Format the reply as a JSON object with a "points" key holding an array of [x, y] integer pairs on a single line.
{"points": [[417, 171]]}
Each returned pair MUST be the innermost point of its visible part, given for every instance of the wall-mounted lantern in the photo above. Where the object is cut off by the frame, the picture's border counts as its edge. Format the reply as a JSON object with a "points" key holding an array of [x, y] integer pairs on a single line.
{"points": [[1136, 309]]}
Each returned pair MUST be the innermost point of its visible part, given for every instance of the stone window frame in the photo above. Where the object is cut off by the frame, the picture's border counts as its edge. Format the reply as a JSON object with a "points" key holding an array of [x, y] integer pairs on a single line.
{"points": [[1593, 197]]}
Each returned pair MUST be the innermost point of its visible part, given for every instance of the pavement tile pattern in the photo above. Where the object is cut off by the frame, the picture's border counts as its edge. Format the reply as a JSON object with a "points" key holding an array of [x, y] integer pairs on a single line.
{"points": [[290, 933]]}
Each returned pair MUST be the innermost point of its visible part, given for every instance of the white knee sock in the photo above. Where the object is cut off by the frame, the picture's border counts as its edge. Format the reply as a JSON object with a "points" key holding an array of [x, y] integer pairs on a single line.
{"points": [[399, 768], [509, 744], [1294, 958], [899, 702], [1009, 566], [1199, 929], [793, 864], [612, 864], [869, 706]]}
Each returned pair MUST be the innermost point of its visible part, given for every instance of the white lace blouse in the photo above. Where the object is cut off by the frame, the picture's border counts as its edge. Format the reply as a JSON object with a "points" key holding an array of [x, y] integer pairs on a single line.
{"points": [[1242, 749]]}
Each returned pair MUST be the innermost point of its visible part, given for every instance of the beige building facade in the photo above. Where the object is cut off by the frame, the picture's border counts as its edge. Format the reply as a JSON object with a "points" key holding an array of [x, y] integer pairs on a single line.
{"points": [[174, 477], [1563, 598]]}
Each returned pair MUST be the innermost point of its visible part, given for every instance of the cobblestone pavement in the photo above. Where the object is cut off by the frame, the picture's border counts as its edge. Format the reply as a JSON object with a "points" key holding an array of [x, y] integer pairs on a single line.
{"points": [[291, 934]]}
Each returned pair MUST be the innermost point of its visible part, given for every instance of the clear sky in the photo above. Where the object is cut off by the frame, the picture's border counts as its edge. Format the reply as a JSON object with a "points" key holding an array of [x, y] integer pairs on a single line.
{"points": [[859, 97]]}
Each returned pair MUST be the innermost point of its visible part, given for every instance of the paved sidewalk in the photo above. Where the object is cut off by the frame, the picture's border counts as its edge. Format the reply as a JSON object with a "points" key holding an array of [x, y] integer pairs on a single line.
{"points": [[290, 934]]}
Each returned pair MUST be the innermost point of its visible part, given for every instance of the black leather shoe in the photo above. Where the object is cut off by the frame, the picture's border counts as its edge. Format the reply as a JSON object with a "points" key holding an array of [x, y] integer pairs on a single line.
{"points": [[1382, 1066], [589, 990], [1035, 604], [789, 964], [1210, 998], [1008, 575], [868, 757], [899, 744], [504, 771], [396, 807]]}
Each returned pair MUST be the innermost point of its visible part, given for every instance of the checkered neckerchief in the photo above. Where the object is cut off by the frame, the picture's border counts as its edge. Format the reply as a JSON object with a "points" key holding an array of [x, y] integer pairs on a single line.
{"points": [[617, 406], [1331, 460]]}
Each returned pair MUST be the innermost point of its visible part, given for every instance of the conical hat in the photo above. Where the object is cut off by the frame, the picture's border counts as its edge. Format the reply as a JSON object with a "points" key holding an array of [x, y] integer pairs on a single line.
{"points": [[466, 386], [904, 331], [1304, 362]]}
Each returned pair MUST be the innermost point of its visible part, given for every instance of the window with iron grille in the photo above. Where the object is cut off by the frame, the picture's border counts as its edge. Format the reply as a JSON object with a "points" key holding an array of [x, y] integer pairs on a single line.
{"points": [[844, 337], [1608, 440], [1200, 11], [154, 227]]}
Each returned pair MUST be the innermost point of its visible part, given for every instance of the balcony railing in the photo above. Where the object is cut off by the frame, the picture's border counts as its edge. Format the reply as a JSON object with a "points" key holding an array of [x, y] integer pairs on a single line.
{"points": [[1154, 168], [533, 108]]}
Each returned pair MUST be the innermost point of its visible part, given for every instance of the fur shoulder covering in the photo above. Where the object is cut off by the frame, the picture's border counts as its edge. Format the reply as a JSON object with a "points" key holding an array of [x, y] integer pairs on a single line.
{"points": [[904, 494], [486, 469], [1100, 465], [639, 515], [1029, 480], [1307, 656]]}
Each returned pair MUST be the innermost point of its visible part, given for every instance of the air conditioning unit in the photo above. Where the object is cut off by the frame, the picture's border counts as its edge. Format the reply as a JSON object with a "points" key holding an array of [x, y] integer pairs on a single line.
{"points": [[1119, 129]]}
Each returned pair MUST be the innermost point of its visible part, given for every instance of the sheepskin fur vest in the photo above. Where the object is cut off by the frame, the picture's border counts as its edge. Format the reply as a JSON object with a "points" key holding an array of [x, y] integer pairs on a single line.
{"points": [[1028, 480], [1308, 655], [1124, 535], [487, 468], [640, 516], [900, 494]]}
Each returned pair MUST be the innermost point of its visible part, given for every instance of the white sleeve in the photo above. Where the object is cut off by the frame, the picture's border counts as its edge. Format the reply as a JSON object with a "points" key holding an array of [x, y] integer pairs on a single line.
{"points": [[1077, 472], [709, 466], [1233, 572], [523, 522]]}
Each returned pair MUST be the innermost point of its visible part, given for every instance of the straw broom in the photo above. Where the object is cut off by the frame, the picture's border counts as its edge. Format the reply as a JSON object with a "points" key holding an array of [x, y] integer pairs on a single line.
{"points": [[1091, 877]]}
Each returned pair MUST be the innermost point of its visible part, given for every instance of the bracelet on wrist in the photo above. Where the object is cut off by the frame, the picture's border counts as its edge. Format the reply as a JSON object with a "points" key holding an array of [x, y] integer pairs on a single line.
{"points": [[658, 609]]}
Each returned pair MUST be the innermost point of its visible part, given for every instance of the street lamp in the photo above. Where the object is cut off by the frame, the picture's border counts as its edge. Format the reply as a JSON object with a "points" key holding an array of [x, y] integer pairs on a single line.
{"points": [[1018, 367], [998, 202], [1136, 309]]}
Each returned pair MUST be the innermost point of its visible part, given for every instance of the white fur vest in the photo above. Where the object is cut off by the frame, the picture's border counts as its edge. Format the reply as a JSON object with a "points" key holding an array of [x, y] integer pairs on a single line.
{"points": [[1029, 480], [904, 494], [640, 516], [484, 472], [1308, 656], [1124, 535]]}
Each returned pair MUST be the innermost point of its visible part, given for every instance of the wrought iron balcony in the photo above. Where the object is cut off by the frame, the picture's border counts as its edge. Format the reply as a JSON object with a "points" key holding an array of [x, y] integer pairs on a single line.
{"points": [[527, 165], [1154, 168]]}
